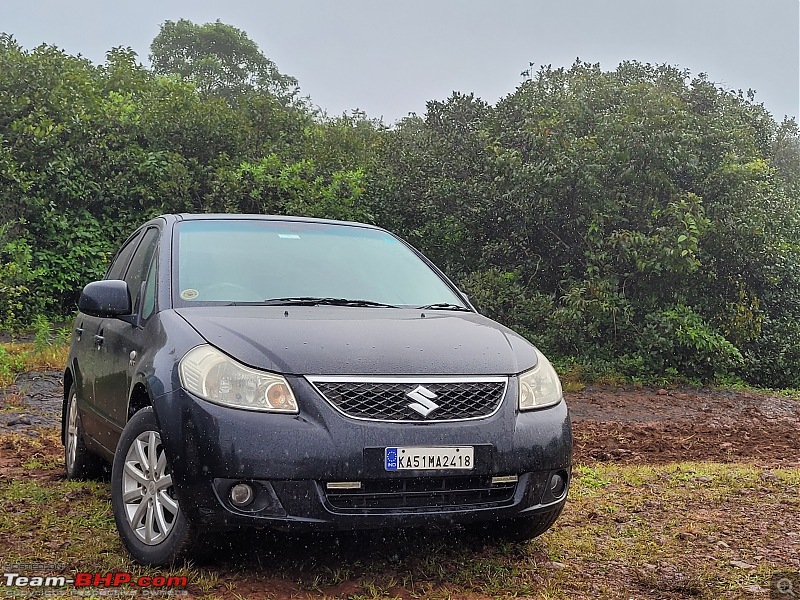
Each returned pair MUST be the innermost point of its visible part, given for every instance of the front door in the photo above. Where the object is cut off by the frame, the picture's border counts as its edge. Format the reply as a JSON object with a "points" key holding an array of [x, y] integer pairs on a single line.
{"points": [[120, 348]]}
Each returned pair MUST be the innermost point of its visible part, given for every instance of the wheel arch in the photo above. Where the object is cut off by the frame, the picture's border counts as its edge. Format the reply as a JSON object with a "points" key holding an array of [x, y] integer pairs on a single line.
{"points": [[140, 398], [69, 379]]}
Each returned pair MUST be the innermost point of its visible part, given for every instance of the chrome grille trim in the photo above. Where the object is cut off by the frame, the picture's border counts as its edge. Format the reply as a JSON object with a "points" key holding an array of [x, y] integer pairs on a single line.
{"points": [[422, 493], [411, 381]]}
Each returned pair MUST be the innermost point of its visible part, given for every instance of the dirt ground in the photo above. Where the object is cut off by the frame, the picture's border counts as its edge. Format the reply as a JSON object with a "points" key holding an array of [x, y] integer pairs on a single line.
{"points": [[33, 401], [659, 426], [623, 425], [626, 425]]}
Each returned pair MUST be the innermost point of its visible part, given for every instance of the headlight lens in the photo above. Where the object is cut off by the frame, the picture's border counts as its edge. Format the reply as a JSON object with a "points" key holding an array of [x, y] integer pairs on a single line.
{"points": [[540, 386], [210, 374]]}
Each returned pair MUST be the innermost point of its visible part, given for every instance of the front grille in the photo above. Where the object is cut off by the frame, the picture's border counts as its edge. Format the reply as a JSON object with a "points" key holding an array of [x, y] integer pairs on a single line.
{"points": [[389, 400], [421, 493]]}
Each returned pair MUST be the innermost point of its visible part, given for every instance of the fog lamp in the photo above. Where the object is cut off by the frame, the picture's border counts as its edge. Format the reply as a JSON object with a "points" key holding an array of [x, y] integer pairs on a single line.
{"points": [[558, 484], [241, 495]]}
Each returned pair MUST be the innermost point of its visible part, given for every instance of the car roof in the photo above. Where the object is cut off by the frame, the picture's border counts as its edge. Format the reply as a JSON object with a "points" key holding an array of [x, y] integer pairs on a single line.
{"points": [[261, 217]]}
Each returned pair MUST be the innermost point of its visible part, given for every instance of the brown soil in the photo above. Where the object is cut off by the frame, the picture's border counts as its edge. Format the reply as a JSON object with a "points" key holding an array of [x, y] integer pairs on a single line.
{"points": [[660, 426], [32, 403]]}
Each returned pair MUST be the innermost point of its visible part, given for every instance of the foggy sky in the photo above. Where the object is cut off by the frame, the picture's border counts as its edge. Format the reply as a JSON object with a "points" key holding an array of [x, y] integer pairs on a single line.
{"points": [[389, 57]]}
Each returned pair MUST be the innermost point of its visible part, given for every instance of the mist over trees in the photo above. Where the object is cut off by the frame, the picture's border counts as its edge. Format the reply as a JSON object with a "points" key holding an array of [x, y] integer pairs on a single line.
{"points": [[639, 221]]}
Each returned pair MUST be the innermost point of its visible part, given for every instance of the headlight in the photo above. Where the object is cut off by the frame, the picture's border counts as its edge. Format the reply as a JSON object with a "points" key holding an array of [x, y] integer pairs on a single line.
{"points": [[540, 386], [210, 374]]}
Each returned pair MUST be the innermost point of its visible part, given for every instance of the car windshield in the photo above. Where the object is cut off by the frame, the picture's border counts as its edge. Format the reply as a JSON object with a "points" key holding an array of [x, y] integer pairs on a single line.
{"points": [[291, 262]]}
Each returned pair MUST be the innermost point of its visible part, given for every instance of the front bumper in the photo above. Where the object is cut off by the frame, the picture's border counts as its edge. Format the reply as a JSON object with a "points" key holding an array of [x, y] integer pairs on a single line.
{"points": [[290, 459]]}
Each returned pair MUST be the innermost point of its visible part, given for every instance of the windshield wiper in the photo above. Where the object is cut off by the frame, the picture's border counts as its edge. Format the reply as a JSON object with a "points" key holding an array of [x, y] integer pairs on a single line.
{"points": [[315, 301], [444, 306]]}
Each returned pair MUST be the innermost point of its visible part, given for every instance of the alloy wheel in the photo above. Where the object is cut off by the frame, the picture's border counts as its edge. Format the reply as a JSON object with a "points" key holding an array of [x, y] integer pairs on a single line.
{"points": [[147, 491]]}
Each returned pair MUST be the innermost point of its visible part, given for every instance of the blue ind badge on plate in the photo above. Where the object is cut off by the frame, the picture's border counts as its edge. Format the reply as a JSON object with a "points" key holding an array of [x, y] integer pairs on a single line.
{"points": [[391, 459]]}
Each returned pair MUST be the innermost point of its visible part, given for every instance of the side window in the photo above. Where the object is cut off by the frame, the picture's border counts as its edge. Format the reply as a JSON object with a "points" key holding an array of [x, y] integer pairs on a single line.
{"points": [[122, 258], [140, 263], [149, 300]]}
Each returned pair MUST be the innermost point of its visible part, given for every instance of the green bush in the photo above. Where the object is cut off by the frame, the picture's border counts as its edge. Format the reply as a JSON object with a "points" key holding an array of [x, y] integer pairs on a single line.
{"points": [[679, 340], [772, 360], [502, 296], [634, 221], [18, 297]]}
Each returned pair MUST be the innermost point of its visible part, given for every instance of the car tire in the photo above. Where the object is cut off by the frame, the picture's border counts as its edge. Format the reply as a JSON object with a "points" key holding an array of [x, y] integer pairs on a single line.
{"points": [[149, 518], [522, 529], [78, 461]]}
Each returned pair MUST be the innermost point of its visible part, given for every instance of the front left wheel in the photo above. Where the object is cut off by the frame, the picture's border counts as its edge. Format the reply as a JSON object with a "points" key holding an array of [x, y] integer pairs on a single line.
{"points": [[149, 518]]}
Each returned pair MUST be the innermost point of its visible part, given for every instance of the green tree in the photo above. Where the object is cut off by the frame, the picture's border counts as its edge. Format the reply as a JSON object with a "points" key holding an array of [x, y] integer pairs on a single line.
{"points": [[219, 59], [636, 220], [647, 220], [433, 178], [273, 186]]}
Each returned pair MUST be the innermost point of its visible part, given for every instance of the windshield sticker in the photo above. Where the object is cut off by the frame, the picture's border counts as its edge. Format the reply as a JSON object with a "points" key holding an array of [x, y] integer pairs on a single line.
{"points": [[288, 236], [189, 294]]}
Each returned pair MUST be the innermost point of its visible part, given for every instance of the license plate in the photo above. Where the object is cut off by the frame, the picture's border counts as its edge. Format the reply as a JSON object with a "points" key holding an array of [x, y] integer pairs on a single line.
{"points": [[441, 458]]}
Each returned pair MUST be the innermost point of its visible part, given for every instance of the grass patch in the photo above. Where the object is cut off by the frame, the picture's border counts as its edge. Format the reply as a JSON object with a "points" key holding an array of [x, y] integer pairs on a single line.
{"points": [[46, 351], [21, 357], [705, 530], [576, 374]]}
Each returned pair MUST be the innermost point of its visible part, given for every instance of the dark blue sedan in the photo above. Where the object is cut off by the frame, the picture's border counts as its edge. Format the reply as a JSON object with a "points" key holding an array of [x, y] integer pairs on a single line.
{"points": [[292, 373]]}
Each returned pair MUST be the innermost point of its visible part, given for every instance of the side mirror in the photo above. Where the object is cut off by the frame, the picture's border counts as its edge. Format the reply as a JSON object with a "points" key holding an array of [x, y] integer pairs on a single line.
{"points": [[107, 298]]}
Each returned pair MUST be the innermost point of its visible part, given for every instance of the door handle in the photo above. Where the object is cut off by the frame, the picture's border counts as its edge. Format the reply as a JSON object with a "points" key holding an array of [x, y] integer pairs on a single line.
{"points": [[98, 340], [78, 332]]}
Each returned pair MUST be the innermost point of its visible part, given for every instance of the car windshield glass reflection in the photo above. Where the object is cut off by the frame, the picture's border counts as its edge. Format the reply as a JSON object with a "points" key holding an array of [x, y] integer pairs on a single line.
{"points": [[296, 263]]}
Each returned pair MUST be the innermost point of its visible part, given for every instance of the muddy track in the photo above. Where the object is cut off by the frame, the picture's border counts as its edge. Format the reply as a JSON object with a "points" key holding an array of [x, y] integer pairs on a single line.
{"points": [[33, 402], [660, 426]]}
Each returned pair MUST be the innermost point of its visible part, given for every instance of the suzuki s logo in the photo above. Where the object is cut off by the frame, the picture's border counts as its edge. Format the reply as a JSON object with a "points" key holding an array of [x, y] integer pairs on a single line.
{"points": [[424, 403]]}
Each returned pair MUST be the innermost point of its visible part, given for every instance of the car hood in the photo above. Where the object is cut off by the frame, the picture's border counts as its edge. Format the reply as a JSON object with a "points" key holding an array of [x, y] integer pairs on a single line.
{"points": [[337, 340]]}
